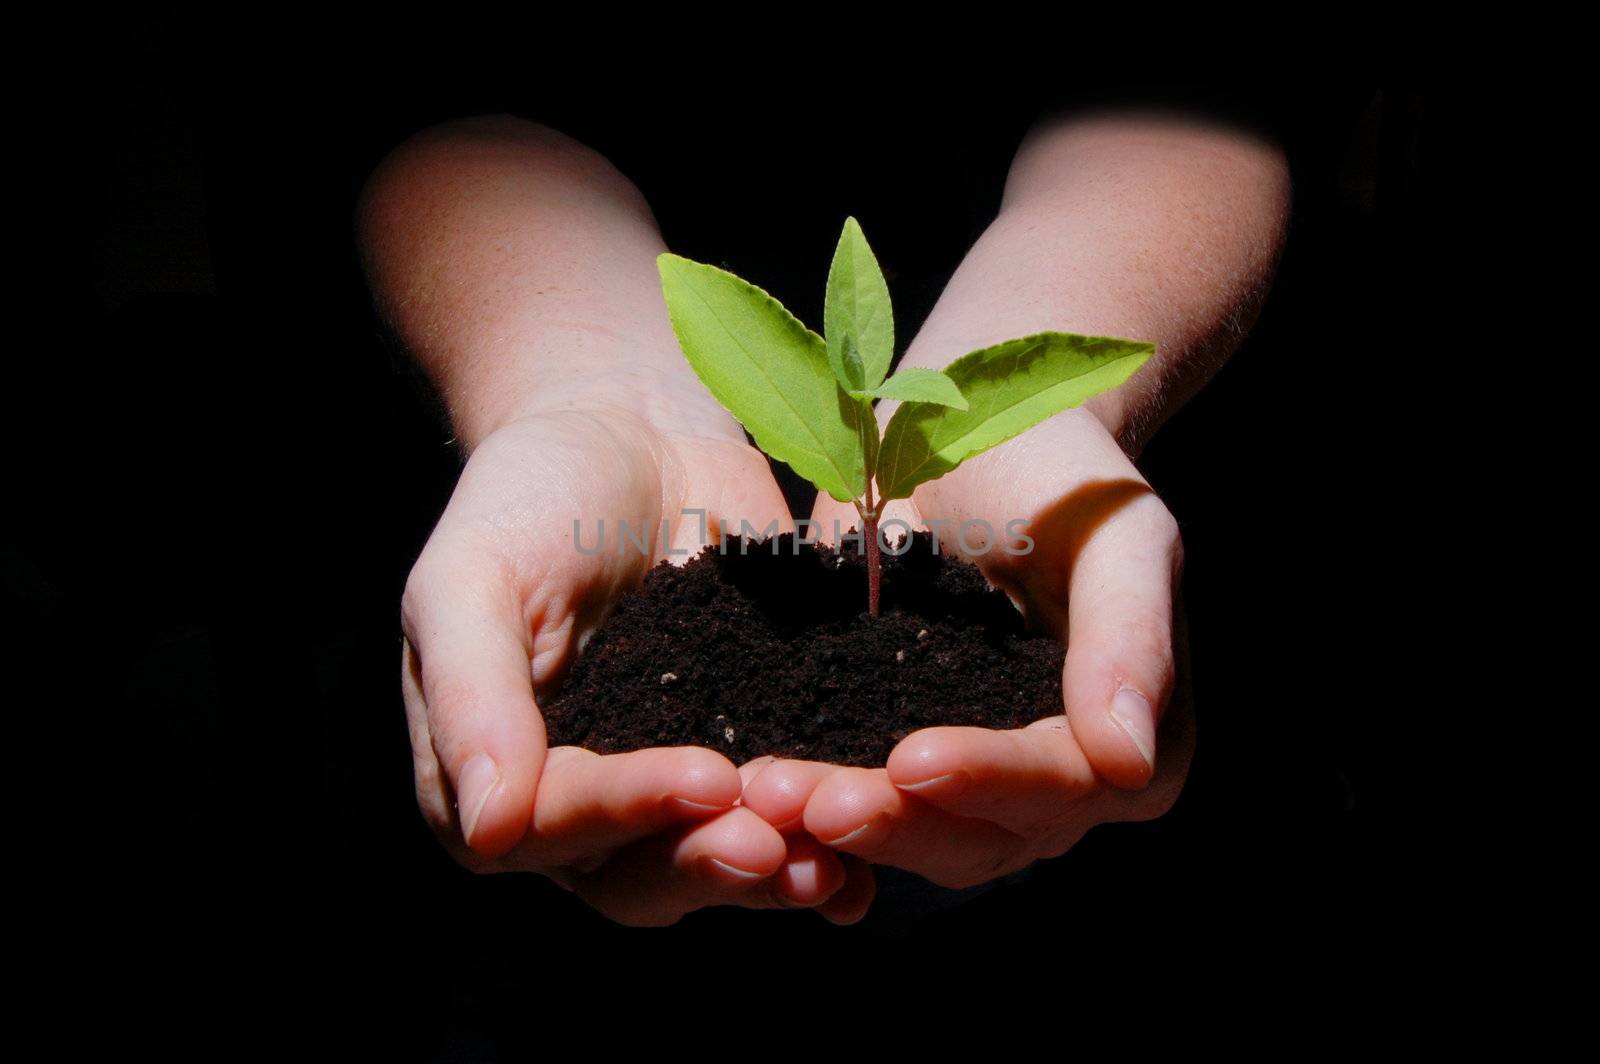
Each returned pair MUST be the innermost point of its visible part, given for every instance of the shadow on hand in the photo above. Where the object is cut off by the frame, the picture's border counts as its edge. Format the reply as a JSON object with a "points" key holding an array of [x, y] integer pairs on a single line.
{"points": [[1039, 580]]}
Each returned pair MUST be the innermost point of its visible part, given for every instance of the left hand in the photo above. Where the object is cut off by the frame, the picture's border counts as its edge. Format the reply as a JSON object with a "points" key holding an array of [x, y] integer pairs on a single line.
{"points": [[963, 805]]}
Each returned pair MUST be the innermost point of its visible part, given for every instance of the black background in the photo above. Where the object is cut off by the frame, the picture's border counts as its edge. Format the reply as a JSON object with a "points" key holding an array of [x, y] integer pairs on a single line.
{"points": [[233, 556]]}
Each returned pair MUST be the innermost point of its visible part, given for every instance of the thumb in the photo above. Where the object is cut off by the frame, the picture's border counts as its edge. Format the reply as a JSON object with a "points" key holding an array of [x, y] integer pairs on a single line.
{"points": [[1119, 668], [475, 679]]}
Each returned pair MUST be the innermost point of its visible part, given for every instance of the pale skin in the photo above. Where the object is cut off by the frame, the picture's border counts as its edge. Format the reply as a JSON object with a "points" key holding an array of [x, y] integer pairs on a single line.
{"points": [[518, 267], [1123, 225]]}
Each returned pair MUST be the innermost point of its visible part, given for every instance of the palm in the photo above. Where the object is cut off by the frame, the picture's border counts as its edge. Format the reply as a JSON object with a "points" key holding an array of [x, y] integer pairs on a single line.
{"points": [[538, 490]]}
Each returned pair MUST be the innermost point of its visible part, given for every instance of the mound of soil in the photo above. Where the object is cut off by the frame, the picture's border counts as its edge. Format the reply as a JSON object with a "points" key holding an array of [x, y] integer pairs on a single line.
{"points": [[759, 653]]}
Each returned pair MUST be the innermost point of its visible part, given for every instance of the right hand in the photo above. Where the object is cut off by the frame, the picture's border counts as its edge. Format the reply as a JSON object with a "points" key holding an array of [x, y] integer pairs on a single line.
{"points": [[494, 611]]}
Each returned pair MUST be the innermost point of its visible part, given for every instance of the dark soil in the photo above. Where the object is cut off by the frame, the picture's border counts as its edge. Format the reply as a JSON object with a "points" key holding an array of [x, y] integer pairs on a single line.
{"points": [[774, 654]]}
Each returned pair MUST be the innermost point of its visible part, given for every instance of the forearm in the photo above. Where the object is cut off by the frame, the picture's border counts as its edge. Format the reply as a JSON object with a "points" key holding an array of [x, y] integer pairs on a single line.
{"points": [[1151, 228], [518, 268]]}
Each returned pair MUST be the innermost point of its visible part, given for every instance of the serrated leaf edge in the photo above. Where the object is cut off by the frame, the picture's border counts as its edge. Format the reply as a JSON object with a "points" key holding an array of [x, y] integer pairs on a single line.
{"points": [[793, 323]]}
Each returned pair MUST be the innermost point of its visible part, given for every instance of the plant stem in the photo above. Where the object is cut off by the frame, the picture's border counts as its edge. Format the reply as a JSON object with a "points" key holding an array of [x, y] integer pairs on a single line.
{"points": [[869, 521], [874, 565]]}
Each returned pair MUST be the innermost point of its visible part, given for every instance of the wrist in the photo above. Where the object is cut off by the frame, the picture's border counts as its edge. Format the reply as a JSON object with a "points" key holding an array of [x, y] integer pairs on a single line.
{"points": [[661, 398]]}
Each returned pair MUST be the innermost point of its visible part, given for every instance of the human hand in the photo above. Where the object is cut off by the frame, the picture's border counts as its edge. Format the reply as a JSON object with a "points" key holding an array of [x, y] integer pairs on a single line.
{"points": [[1120, 223], [518, 268], [964, 805], [494, 610]]}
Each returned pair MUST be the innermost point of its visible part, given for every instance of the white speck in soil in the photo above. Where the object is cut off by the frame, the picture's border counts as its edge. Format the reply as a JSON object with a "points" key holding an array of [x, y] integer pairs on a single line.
{"points": [[899, 655], [727, 733], [669, 677], [922, 633]]}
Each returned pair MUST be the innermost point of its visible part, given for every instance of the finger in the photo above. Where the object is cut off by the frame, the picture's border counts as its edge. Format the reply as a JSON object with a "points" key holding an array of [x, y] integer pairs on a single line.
{"points": [[730, 853], [851, 902], [860, 812], [590, 804], [811, 874], [473, 673], [655, 882], [731, 485], [780, 790], [1025, 780], [752, 768], [1118, 673], [432, 788]]}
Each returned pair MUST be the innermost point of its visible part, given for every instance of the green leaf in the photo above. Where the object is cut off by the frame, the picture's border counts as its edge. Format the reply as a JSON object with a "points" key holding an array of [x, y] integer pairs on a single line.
{"points": [[852, 366], [1010, 388], [918, 385], [856, 316], [770, 371]]}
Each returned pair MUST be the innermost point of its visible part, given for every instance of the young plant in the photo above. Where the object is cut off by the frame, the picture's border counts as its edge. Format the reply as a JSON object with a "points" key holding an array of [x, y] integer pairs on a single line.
{"points": [[808, 401]]}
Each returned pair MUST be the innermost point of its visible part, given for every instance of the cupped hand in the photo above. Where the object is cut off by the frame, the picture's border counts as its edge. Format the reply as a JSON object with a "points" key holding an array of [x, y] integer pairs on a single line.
{"points": [[964, 805], [495, 609]]}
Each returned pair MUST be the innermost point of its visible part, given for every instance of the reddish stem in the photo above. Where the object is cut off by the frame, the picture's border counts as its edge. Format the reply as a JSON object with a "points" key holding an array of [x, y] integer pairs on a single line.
{"points": [[874, 565]]}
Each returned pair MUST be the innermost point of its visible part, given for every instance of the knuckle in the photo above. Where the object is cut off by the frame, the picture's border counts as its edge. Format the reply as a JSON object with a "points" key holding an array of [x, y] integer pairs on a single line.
{"points": [[1149, 637], [452, 703], [418, 595], [1134, 648], [1155, 519], [449, 565], [1165, 527], [1150, 521]]}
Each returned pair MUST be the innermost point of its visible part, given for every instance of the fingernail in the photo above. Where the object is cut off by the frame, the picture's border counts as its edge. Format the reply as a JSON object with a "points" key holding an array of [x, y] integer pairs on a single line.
{"points": [[847, 837], [868, 835], [953, 783], [739, 873], [697, 808], [1131, 710], [479, 778]]}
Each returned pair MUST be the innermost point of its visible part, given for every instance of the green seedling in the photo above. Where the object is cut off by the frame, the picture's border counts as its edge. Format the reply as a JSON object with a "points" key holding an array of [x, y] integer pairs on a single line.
{"points": [[808, 401]]}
